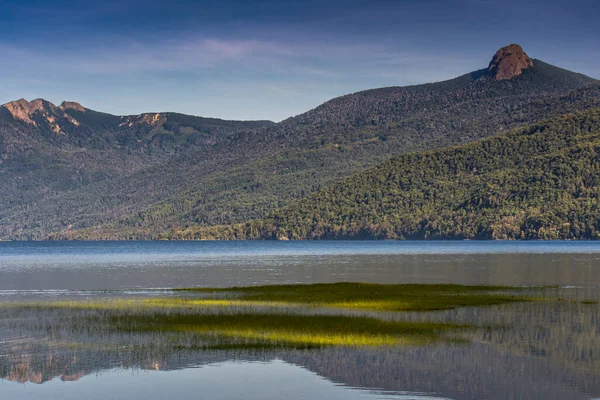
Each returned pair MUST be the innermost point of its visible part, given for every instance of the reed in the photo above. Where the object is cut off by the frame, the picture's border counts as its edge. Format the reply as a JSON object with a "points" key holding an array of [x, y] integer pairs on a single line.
{"points": [[368, 296], [350, 314]]}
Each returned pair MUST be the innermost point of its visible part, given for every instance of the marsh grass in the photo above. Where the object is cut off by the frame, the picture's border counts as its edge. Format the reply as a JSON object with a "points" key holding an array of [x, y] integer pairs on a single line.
{"points": [[289, 329], [356, 314], [367, 296], [97, 323], [139, 331]]}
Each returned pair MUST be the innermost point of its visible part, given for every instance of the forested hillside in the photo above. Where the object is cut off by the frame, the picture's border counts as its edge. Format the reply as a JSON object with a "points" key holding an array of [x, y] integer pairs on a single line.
{"points": [[47, 152], [162, 174], [537, 182], [242, 189]]}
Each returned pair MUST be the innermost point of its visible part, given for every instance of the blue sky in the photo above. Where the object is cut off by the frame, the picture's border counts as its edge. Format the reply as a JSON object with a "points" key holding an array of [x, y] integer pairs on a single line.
{"points": [[270, 59]]}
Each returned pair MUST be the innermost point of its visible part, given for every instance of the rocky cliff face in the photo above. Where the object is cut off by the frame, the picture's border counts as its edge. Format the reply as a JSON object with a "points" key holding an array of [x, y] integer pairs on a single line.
{"points": [[508, 62], [71, 105], [22, 109], [39, 110]]}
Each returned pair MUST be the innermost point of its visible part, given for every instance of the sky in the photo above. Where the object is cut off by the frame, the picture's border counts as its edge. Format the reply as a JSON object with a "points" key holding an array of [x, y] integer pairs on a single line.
{"points": [[269, 59]]}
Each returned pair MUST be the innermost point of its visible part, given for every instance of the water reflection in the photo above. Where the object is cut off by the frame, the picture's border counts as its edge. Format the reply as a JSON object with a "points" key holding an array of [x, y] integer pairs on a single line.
{"points": [[547, 349], [459, 372], [274, 379]]}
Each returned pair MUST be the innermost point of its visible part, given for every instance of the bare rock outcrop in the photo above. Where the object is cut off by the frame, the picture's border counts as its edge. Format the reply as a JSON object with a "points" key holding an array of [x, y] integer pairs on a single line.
{"points": [[508, 62]]}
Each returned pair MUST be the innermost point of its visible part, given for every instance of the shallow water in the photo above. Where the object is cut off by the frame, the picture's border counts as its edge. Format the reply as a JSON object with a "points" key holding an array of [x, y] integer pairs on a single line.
{"points": [[546, 350], [55, 266], [252, 380]]}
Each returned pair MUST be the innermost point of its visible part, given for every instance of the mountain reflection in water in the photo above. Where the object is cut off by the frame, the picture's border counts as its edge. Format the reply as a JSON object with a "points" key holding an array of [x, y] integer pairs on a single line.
{"points": [[461, 372], [547, 349]]}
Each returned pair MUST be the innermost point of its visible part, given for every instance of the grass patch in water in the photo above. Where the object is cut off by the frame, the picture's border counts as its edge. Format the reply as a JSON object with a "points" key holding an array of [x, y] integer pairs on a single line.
{"points": [[366, 296], [276, 315], [288, 329]]}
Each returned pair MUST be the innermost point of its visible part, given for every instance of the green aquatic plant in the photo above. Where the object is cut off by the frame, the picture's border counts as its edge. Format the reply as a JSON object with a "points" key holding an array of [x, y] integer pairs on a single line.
{"points": [[366, 296], [342, 296], [288, 329], [133, 321], [297, 316]]}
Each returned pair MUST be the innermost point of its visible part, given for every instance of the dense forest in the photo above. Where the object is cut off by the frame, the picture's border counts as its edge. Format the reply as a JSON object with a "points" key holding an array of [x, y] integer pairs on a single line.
{"points": [[148, 176], [537, 182]]}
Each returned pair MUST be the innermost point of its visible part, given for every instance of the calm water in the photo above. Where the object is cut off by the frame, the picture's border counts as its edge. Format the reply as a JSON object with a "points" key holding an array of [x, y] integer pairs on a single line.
{"points": [[545, 350], [130, 265]]}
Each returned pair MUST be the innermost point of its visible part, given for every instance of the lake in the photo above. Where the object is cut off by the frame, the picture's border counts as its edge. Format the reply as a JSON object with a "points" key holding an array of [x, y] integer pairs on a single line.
{"points": [[546, 348]]}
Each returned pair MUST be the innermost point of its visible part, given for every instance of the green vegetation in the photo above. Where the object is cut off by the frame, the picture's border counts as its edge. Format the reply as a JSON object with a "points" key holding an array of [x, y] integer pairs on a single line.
{"points": [[140, 178], [39, 166], [69, 339], [338, 296], [365, 296], [277, 315], [287, 329], [538, 182], [231, 328]]}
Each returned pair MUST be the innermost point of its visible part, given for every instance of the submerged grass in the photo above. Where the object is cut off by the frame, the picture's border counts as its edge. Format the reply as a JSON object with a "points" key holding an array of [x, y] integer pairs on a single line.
{"points": [[367, 296], [230, 328], [277, 315], [290, 330]]}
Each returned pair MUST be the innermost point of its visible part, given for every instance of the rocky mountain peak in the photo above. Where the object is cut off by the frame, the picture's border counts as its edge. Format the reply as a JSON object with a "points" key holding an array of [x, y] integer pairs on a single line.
{"points": [[508, 62], [27, 111], [71, 105], [22, 109]]}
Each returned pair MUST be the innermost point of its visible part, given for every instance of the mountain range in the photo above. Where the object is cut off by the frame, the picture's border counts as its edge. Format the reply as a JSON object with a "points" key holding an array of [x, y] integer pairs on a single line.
{"points": [[537, 182], [69, 172]]}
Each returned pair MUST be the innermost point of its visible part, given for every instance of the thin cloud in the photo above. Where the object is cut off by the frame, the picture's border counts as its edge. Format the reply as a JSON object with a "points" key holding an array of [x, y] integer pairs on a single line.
{"points": [[177, 55], [171, 55], [229, 78]]}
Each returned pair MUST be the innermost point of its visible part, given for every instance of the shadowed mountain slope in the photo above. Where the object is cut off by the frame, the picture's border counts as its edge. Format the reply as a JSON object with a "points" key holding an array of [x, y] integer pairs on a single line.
{"points": [[537, 182], [236, 173]]}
